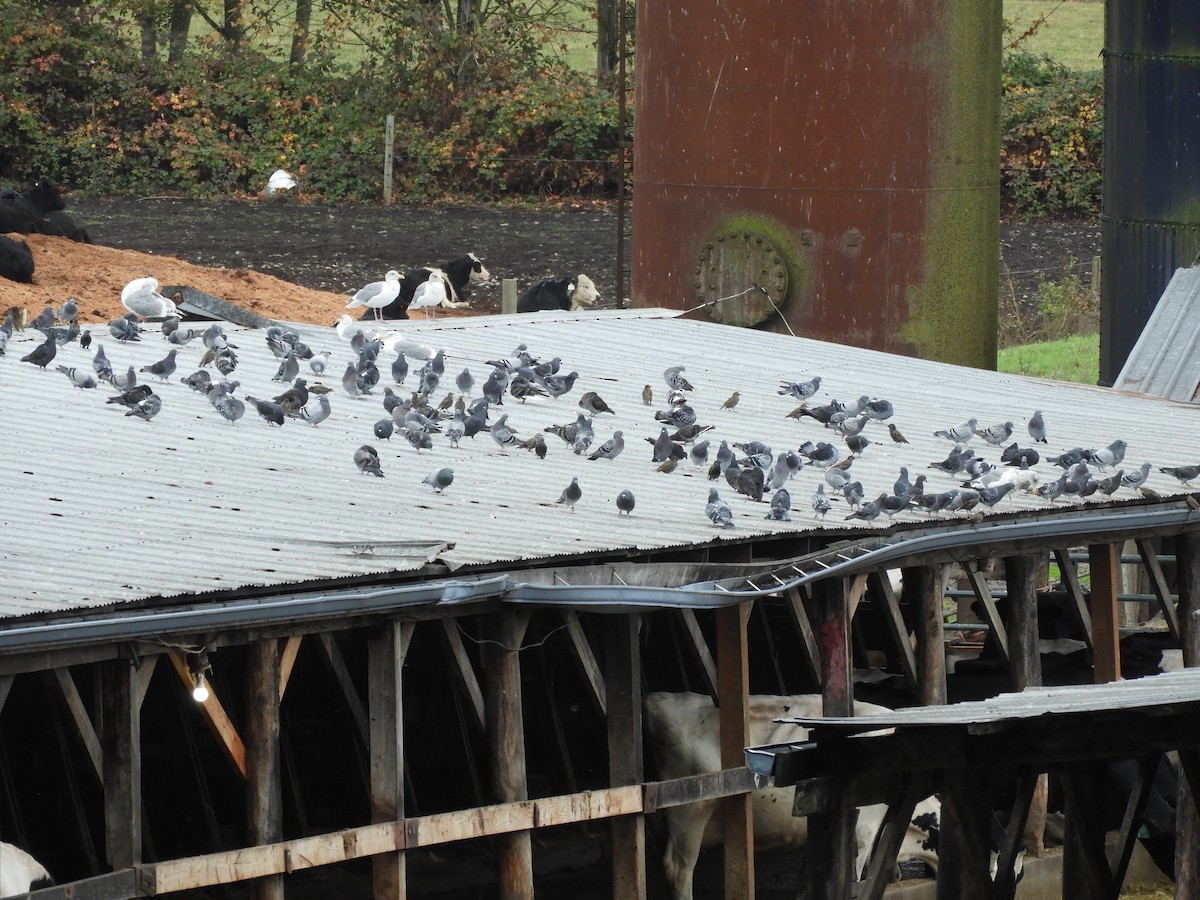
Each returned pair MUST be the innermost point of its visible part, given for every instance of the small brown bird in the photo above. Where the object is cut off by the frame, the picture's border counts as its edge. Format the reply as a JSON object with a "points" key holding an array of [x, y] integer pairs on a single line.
{"points": [[647, 395], [896, 435], [667, 465], [447, 401], [732, 401], [319, 388]]}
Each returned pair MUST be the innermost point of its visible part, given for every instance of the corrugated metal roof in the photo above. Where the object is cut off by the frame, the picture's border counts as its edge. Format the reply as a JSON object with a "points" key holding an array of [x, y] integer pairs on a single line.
{"points": [[1165, 361], [101, 508]]}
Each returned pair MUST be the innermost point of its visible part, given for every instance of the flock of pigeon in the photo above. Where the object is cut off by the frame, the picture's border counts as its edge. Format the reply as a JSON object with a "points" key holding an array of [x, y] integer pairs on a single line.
{"points": [[429, 407]]}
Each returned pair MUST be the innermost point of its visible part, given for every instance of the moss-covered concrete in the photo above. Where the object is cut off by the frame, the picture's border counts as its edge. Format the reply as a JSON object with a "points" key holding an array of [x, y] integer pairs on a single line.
{"points": [[952, 312]]}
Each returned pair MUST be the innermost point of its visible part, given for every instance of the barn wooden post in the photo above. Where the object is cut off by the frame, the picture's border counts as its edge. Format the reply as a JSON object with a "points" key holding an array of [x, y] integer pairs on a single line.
{"points": [[733, 691], [122, 744], [385, 708], [506, 728], [1106, 637], [623, 694], [264, 792], [1187, 842], [831, 835], [922, 591]]}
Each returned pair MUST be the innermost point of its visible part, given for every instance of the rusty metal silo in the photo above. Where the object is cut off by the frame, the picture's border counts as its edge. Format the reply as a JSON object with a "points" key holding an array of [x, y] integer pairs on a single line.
{"points": [[1151, 223], [841, 154]]}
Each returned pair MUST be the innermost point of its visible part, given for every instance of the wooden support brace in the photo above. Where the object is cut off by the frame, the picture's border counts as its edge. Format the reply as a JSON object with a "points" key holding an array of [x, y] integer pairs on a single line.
{"points": [[464, 673], [145, 672], [1106, 638], [906, 793], [1158, 584], [214, 714], [83, 723], [287, 661], [894, 625], [1069, 573], [987, 603], [965, 864], [1187, 841], [1025, 791], [341, 674], [1085, 863], [811, 653], [1132, 820], [702, 654], [588, 665]]}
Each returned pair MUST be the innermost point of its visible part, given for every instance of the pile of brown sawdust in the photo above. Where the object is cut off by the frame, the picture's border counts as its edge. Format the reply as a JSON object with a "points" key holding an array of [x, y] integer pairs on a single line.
{"points": [[95, 275]]}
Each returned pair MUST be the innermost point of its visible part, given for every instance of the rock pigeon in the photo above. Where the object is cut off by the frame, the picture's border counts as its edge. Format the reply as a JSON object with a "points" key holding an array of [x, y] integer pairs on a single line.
{"points": [[1134, 480], [675, 380], [125, 328], [699, 453], [1110, 456], [164, 368], [377, 294], [271, 412], [571, 494], [868, 512], [625, 502], [79, 378], [504, 436], [996, 434], [558, 385], [367, 460], [611, 448], [228, 406], [1184, 473], [69, 311], [141, 296], [857, 443], [879, 410], [464, 381], [383, 429], [801, 390], [315, 416], [439, 479], [593, 404], [146, 409], [960, 433], [133, 396], [43, 354], [318, 362], [820, 502], [718, 510], [289, 368], [123, 382], [781, 506], [1037, 427], [199, 381]]}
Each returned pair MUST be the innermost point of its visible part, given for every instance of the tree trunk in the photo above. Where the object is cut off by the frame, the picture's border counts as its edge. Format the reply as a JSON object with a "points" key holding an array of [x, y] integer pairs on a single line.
{"points": [[468, 12], [234, 29], [607, 37], [149, 34], [300, 31], [181, 22]]}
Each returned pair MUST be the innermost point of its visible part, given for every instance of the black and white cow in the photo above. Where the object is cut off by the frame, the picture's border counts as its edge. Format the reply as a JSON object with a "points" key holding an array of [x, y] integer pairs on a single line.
{"points": [[20, 873], [564, 292], [457, 274], [16, 261], [682, 732]]}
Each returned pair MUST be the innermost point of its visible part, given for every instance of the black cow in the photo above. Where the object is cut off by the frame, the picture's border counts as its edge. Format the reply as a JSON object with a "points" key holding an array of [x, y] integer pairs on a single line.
{"points": [[43, 195], [457, 275], [16, 262], [564, 292]]}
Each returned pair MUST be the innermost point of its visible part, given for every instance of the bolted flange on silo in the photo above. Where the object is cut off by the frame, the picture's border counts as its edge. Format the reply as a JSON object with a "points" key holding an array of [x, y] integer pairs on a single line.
{"points": [[831, 163]]}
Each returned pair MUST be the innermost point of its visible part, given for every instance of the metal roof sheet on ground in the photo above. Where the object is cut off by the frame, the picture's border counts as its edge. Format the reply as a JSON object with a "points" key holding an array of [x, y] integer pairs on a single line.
{"points": [[1165, 361], [102, 509]]}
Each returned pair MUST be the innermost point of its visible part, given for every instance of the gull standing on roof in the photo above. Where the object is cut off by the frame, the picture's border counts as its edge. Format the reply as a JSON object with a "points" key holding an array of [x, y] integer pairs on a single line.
{"points": [[141, 296], [377, 294], [429, 295]]}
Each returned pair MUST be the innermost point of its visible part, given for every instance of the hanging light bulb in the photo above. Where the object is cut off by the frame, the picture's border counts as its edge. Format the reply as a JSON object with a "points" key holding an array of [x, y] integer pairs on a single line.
{"points": [[200, 691], [198, 664]]}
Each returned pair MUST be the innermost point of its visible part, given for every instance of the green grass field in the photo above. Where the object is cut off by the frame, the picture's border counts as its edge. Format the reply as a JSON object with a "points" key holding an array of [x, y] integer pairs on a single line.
{"points": [[1073, 33], [1072, 359]]}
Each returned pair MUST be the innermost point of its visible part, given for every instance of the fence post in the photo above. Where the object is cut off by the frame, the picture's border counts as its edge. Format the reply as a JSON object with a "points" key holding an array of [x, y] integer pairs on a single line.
{"points": [[389, 137]]}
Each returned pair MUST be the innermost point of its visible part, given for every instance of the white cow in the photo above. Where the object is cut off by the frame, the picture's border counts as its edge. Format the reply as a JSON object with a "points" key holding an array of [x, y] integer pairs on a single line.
{"points": [[682, 731], [20, 873]]}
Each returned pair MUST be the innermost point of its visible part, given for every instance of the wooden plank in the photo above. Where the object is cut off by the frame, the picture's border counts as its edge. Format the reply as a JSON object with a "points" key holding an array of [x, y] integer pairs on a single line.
{"points": [[1187, 842], [1187, 569], [586, 659], [1021, 576], [695, 788], [894, 625], [6, 683], [881, 860], [833, 637], [386, 745], [1135, 807], [346, 682], [214, 714], [119, 885], [506, 735], [83, 722], [1069, 573], [733, 688], [464, 673], [264, 788], [496, 820], [145, 670], [1158, 584], [122, 765], [811, 654], [243, 864], [586, 806], [987, 604], [623, 689], [1106, 637], [1085, 863], [964, 871], [922, 591], [1025, 796], [831, 850], [287, 661], [700, 648]]}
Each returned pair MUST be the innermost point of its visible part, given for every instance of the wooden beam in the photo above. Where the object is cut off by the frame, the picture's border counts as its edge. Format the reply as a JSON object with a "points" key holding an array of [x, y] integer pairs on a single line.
{"points": [[830, 849], [964, 859], [811, 653], [385, 667], [1187, 568], [833, 637], [1021, 575], [6, 683], [122, 764], [506, 734], [623, 688], [464, 673], [922, 591], [83, 722], [145, 671], [1135, 807], [987, 604], [700, 647], [695, 788], [118, 885], [287, 661], [346, 682], [1187, 842], [1158, 584], [894, 625], [264, 791], [905, 794], [733, 711], [1069, 573], [214, 714], [588, 666], [1085, 864], [1106, 637]]}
